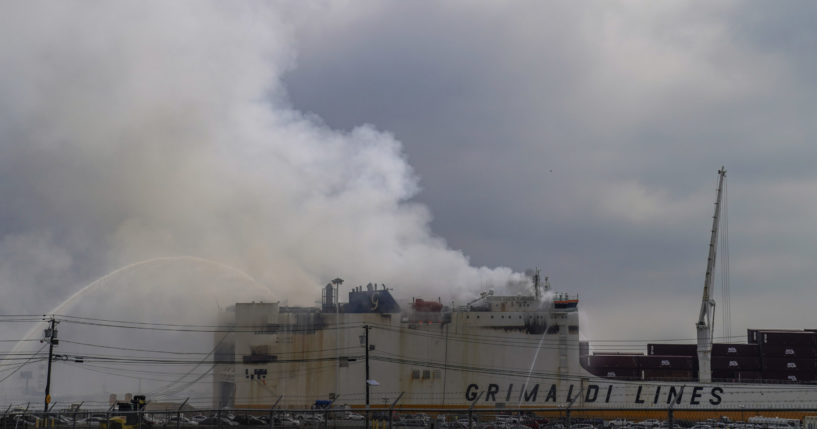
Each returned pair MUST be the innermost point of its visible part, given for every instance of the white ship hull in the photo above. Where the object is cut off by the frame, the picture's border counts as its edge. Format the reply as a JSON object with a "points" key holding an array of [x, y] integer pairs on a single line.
{"points": [[453, 359]]}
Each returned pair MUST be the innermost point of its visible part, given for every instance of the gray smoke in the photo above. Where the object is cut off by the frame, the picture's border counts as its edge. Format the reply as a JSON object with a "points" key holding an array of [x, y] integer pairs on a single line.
{"points": [[132, 132]]}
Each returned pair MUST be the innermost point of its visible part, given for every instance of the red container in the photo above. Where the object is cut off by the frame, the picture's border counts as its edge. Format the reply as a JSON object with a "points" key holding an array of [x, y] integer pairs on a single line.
{"points": [[736, 376], [735, 363], [788, 351], [794, 377], [788, 365], [668, 362], [612, 361], [670, 374], [735, 349], [672, 349], [622, 373], [790, 338]]}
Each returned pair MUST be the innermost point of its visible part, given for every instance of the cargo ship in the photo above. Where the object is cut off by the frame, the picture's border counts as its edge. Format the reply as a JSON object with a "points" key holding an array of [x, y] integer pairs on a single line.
{"points": [[511, 351]]}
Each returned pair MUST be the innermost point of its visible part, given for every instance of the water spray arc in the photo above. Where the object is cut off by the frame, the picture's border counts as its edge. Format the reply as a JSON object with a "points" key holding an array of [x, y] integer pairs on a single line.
{"points": [[105, 283], [102, 280], [135, 265]]}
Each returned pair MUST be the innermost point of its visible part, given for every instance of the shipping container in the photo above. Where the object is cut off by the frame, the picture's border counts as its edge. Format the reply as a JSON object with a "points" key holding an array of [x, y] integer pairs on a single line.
{"points": [[721, 349], [736, 376], [670, 374], [798, 377], [786, 364], [673, 349], [668, 362], [612, 361], [791, 338], [622, 373], [735, 363], [794, 351]]}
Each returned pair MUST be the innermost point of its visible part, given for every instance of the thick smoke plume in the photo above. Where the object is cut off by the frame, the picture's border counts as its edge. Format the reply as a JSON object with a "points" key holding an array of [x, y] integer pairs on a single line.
{"points": [[130, 132]]}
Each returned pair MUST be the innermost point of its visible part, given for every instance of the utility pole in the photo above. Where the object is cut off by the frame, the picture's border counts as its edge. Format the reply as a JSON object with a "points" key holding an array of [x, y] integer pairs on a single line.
{"points": [[51, 337], [337, 282], [367, 327]]}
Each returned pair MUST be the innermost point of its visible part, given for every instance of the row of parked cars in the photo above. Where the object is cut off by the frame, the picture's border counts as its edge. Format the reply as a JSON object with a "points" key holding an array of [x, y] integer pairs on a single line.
{"points": [[278, 419]]}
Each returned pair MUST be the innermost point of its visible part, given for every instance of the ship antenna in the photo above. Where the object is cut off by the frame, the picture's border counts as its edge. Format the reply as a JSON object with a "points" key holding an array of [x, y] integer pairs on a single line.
{"points": [[706, 321]]}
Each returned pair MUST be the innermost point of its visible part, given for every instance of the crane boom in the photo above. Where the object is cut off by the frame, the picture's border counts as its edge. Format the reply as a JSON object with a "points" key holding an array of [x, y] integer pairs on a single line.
{"points": [[713, 246], [705, 322]]}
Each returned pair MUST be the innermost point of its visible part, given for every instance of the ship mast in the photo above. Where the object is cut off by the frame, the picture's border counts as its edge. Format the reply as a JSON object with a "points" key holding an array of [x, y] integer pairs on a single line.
{"points": [[706, 321]]}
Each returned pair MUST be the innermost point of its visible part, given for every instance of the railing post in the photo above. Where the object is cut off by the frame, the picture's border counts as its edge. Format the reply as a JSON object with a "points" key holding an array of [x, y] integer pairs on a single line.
{"points": [[272, 410], [670, 420], [391, 409], [474, 403], [567, 415], [179, 413]]}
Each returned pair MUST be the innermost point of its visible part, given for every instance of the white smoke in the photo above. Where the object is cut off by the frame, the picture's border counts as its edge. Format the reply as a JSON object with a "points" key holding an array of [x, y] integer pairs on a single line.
{"points": [[133, 131]]}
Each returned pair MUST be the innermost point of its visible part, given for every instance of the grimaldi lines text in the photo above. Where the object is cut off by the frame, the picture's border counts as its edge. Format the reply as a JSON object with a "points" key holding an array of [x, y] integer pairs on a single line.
{"points": [[655, 394]]}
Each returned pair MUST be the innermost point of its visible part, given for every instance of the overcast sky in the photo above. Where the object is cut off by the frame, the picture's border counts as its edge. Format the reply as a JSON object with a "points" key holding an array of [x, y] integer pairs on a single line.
{"points": [[440, 148], [584, 138]]}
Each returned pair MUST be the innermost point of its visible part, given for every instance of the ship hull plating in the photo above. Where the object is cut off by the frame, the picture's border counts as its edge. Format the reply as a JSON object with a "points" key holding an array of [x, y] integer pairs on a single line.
{"points": [[510, 354]]}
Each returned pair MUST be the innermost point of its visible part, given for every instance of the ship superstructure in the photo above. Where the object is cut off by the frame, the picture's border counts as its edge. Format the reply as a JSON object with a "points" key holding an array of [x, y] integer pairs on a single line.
{"points": [[432, 353]]}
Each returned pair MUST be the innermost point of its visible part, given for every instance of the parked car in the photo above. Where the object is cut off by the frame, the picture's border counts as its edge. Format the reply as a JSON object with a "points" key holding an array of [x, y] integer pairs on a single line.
{"points": [[287, 421], [249, 420], [184, 421], [214, 421], [198, 418]]}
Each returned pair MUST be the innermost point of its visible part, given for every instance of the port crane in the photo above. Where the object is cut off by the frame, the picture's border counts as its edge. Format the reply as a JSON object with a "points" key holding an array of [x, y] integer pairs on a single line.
{"points": [[706, 323]]}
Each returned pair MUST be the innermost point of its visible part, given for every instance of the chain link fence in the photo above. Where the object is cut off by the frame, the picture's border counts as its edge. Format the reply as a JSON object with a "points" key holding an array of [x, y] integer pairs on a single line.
{"points": [[418, 418]]}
